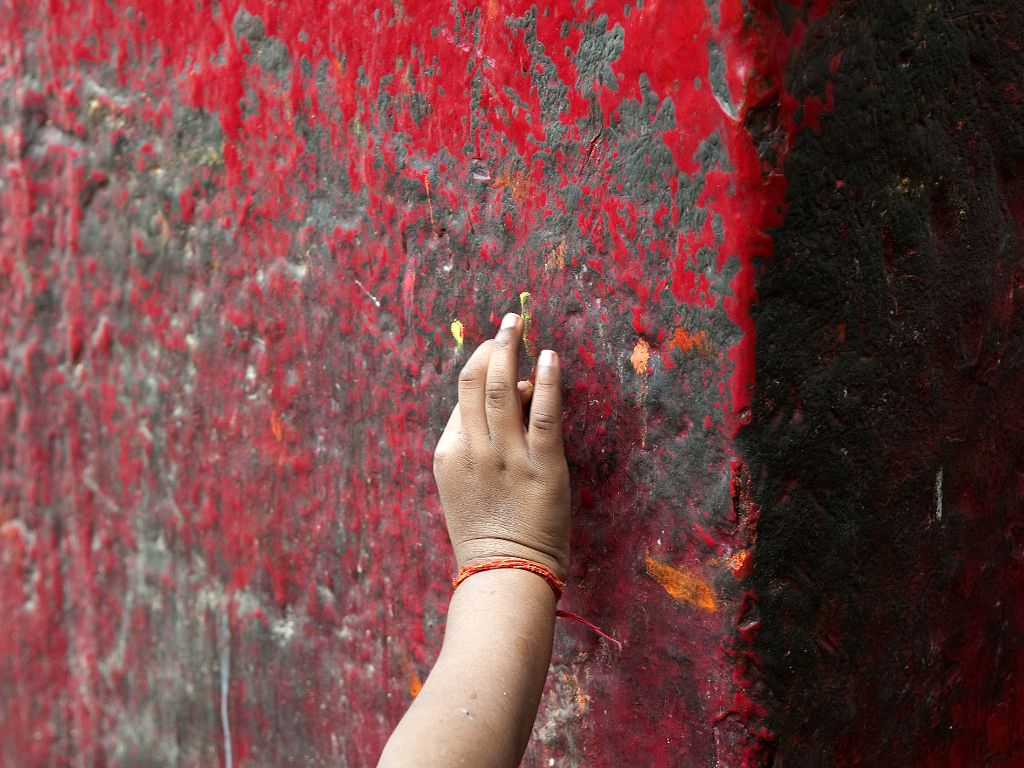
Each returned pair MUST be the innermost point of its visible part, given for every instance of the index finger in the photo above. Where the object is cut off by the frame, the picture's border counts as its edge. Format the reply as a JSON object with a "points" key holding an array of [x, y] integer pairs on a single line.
{"points": [[472, 383]]}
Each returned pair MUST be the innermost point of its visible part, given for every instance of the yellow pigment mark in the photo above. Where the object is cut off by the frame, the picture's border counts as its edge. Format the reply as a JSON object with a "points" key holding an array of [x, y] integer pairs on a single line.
{"points": [[690, 341], [525, 299], [682, 585], [640, 357], [459, 334], [275, 426]]}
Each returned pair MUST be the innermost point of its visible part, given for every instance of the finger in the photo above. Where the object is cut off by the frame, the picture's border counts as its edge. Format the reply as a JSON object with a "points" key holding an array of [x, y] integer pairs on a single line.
{"points": [[545, 430], [472, 387], [525, 392], [504, 412]]}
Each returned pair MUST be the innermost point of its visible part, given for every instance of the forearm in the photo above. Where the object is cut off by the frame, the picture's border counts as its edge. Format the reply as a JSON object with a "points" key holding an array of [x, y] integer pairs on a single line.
{"points": [[503, 480], [478, 705]]}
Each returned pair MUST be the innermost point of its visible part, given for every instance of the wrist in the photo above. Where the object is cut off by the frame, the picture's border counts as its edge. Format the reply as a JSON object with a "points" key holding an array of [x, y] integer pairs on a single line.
{"points": [[481, 551], [510, 591], [515, 564]]}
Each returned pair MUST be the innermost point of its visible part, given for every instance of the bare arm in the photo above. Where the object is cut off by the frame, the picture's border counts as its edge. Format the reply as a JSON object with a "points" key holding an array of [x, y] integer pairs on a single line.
{"points": [[478, 704], [504, 488]]}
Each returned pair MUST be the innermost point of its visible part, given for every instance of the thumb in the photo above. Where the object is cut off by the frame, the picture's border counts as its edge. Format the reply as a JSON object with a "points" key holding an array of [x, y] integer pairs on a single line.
{"points": [[525, 392]]}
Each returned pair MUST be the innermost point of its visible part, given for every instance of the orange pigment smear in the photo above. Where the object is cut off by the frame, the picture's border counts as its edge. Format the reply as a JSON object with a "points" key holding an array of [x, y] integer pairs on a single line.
{"points": [[682, 585], [690, 341], [415, 684], [518, 184], [641, 355]]}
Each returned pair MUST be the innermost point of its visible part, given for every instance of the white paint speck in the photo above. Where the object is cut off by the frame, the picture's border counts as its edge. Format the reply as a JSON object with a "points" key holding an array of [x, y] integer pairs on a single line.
{"points": [[938, 494], [374, 299], [283, 630]]}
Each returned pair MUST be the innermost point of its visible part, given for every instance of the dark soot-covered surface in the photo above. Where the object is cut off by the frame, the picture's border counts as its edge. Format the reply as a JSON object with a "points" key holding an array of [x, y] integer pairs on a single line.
{"points": [[888, 422]]}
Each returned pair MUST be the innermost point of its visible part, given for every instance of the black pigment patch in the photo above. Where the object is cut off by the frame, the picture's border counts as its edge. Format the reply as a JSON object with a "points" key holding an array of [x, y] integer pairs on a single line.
{"points": [[886, 447]]}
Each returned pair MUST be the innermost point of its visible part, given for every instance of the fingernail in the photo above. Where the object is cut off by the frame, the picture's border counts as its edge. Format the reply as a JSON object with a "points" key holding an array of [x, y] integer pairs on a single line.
{"points": [[509, 321], [547, 358]]}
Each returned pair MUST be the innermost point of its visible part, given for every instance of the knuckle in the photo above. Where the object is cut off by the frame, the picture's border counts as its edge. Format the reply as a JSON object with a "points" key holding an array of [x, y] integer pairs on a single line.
{"points": [[544, 421], [471, 376], [498, 391], [450, 467]]}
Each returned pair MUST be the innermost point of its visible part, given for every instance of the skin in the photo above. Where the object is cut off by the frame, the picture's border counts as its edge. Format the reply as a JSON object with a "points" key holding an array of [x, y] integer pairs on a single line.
{"points": [[504, 486]]}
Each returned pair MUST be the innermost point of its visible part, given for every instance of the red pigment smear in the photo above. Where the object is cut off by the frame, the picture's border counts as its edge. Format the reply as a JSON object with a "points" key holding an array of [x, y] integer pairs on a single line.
{"points": [[231, 398]]}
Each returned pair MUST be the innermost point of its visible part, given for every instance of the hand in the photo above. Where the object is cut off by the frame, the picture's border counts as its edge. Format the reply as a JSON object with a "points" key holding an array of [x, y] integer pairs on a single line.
{"points": [[503, 481]]}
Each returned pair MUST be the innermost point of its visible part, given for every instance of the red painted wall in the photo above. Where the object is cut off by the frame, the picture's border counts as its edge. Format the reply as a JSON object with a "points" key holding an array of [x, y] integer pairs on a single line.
{"points": [[246, 247]]}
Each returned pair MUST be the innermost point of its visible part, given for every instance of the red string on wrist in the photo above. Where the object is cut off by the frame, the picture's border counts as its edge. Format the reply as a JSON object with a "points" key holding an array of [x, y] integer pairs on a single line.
{"points": [[580, 620], [556, 584]]}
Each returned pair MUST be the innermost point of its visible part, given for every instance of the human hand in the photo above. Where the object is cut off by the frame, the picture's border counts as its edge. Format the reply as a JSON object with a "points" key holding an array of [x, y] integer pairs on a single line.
{"points": [[503, 480]]}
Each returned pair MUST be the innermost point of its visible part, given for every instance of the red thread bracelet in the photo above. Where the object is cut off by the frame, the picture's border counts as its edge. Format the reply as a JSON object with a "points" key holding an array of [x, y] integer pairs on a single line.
{"points": [[556, 584]]}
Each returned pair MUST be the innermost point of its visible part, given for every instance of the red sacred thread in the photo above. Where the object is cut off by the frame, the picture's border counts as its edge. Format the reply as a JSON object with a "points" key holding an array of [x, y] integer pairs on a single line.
{"points": [[556, 584], [580, 620]]}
